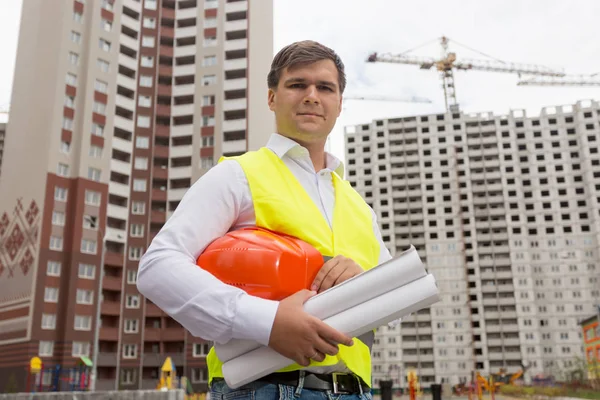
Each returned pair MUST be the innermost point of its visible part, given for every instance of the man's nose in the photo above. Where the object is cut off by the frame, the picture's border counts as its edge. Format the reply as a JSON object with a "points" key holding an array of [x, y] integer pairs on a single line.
{"points": [[311, 95]]}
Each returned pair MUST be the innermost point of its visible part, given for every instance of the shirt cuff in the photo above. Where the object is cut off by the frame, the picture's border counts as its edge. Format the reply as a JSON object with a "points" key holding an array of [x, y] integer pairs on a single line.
{"points": [[254, 318]]}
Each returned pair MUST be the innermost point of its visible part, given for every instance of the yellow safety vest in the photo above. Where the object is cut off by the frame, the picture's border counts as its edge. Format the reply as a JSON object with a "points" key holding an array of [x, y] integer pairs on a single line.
{"points": [[282, 205]]}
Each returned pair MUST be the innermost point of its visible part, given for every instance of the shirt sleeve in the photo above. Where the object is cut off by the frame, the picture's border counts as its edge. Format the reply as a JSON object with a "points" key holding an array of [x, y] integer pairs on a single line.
{"points": [[169, 277]]}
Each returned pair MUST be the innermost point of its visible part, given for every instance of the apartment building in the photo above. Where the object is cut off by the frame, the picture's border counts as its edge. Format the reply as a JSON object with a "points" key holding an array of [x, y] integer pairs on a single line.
{"points": [[120, 106], [505, 212], [2, 135]]}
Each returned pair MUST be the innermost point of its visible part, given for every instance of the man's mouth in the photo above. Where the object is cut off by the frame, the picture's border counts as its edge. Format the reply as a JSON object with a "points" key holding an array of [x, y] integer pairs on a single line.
{"points": [[311, 114]]}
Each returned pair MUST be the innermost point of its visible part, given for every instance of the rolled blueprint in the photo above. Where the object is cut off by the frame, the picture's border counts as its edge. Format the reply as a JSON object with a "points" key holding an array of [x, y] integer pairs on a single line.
{"points": [[402, 269], [353, 322]]}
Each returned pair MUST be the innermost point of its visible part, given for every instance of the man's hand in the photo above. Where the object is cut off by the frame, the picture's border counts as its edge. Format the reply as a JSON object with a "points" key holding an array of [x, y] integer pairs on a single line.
{"points": [[300, 336], [334, 272]]}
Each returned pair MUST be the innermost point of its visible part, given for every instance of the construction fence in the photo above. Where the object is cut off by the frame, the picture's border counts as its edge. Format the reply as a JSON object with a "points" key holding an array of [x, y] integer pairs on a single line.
{"points": [[176, 394]]}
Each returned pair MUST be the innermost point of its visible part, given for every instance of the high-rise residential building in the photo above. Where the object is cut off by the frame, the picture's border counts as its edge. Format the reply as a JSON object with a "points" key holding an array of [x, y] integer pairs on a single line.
{"points": [[119, 105], [2, 135], [505, 212]]}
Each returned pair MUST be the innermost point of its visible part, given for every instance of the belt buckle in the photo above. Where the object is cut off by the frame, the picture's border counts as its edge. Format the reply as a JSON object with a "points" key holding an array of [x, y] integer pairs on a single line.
{"points": [[334, 379]]}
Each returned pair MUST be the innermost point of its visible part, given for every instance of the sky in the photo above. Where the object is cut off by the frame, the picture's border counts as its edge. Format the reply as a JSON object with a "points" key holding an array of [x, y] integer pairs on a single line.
{"points": [[561, 35]]}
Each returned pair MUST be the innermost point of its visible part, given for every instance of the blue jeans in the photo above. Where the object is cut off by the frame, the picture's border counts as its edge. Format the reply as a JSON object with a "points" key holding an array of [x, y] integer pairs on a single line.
{"points": [[271, 391]]}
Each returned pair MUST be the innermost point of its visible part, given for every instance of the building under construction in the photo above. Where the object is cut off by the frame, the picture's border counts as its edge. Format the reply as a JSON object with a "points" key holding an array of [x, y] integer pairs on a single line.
{"points": [[505, 212]]}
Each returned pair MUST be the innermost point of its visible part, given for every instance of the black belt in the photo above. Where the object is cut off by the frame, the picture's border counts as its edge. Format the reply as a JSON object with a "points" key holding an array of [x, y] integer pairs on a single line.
{"points": [[336, 382]]}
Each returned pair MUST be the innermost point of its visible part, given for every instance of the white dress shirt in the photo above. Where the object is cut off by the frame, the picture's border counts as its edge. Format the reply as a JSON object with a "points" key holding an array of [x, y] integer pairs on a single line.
{"points": [[218, 202]]}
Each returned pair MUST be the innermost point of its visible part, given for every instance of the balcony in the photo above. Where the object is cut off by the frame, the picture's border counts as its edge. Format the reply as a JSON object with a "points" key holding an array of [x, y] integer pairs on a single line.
{"points": [[237, 44], [180, 172], [238, 25], [240, 63], [117, 212], [234, 146], [112, 283], [113, 258], [161, 151], [107, 360], [236, 6], [152, 310], [111, 308], [152, 334], [160, 172], [235, 84], [165, 90], [234, 125], [119, 189], [188, 31], [158, 217], [159, 195], [237, 104], [109, 333], [172, 335], [176, 194]]}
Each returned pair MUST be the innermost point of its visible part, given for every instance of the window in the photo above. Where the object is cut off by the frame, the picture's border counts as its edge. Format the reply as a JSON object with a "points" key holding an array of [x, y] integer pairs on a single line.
{"points": [[80, 349], [63, 169], [135, 253], [51, 295], [209, 60], [208, 141], [139, 185], [73, 58], [99, 108], [107, 5], [141, 163], [208, 100], [104, 45], [206, 162], [70, 101], [90, 222], [143, 121], [132, 301], [127, 376], [199, 375], [210, 41], [85, 296], [83, 323], [137, 230], [88, 246], [142, 142], [58, 218], [144, 101], [150, 4], [67, 124], [97, 129], [149, 23], [145, 81], [131, 326], [104, 66], [94, 174], [209, 80], [92, 198], [106, 25], [77, 17], [147, 61], [56, 243], [131, 277], [201, 349], [208, 120], [53, 268], [95, 151], [71, 79], [87, 271], [210, 22], [101, 86], [138, 208], [147, 41], [60, 194], [46, 348], [75, 37], [49, 321]]}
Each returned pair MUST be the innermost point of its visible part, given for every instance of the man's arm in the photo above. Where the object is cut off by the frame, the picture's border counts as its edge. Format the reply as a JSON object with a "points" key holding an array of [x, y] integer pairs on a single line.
{"points": [[169, 277]]}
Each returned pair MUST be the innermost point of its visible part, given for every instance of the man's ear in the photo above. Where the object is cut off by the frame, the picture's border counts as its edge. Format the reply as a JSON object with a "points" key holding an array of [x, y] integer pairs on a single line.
{"points": [[271, 99], [340, 105]]}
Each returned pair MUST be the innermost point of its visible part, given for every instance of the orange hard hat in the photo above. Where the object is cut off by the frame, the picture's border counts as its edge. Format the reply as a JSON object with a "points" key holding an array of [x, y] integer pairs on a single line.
{"points": [[263, 263]]}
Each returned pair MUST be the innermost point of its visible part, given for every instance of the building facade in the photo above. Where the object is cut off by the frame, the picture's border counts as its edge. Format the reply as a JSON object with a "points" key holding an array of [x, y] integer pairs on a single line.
{"points": [[590, 328], [120, 106], [2, 135], [505, 212]]}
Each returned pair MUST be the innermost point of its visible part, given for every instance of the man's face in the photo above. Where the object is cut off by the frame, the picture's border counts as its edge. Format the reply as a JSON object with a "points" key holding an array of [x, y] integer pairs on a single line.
{"points": [[307, 101]]}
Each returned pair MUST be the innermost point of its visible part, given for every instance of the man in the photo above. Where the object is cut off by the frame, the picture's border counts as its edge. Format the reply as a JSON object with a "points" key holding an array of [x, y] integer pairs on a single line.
{"points": [[290, 186]]}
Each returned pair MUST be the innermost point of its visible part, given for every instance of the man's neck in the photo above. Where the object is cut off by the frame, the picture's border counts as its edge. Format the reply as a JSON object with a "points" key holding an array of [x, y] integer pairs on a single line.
{"points": [[316, 151]]}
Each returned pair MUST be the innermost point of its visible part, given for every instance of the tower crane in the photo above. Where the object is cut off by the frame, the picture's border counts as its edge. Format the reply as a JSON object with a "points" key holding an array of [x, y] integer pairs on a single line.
{"points": [[448, 63], [412, 99], [567, 80]]}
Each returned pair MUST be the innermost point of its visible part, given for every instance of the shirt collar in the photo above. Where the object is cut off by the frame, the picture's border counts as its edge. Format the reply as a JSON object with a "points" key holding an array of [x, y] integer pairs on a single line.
{"points": [[283, 146]]}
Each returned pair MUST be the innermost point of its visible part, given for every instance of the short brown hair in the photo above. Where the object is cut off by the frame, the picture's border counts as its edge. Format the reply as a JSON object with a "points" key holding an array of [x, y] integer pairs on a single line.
{"points": [[303, 53]]}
